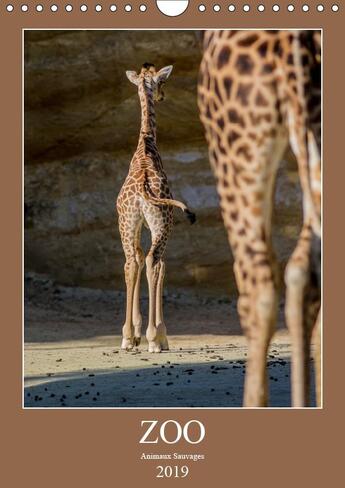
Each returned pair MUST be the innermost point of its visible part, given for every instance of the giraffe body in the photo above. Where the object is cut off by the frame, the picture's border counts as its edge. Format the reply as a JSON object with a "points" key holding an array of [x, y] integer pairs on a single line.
{"points": [[258, 92], [145, 197]]}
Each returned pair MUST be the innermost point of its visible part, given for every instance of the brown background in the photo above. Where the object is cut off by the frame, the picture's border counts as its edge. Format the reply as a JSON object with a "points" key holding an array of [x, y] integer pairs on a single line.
{"points": [[98, 447]]}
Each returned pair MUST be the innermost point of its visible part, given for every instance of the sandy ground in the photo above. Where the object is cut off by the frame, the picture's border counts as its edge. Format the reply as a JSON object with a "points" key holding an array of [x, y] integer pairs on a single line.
{"points": [[72, 356]]}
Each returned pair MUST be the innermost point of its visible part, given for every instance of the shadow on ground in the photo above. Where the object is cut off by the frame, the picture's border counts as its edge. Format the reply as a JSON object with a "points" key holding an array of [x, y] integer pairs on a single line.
{"points": [[215, 384]]}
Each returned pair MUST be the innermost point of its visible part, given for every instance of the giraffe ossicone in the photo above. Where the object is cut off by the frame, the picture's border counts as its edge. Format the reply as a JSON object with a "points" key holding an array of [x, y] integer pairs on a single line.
{"points": [[145, 197]]}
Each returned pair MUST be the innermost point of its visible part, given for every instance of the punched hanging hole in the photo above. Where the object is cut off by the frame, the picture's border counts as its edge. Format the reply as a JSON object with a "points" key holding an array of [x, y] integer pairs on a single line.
{"points": [[9, 8], [24, 8], [142, 8], [275, 8], [39, 8], [216, 7], [172, 8], [305, 8], [128, 7], [54, 8], [246, 7], [83, 8], [231, 8], [261, 8], [320, 8], [335, 8], [69, 8], [201, 8], [113, 8], [291, 8], [98, 8]]}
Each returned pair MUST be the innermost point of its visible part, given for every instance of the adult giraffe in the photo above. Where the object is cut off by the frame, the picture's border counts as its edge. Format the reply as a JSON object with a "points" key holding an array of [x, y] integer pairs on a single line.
{"points": [[259, 91]]}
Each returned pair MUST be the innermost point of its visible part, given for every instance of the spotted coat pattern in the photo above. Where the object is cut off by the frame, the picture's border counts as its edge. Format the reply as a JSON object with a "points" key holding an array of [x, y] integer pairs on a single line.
{"points": [[258, 92]]}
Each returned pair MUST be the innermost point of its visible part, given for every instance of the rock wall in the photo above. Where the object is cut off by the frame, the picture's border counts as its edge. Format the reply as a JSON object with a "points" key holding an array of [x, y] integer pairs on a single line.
{"points": [[82, 120]]}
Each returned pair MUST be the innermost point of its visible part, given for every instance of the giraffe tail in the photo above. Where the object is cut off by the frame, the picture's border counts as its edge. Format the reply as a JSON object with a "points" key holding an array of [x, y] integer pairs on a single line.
{"points": [[168, 201]]}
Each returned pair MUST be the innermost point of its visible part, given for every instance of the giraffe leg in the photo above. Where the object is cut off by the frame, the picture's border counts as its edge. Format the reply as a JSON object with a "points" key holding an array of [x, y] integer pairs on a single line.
{"points": [[317, 356], [155, 270], [131, 273], [140, 259], [160, 325], [152, 272], [259, 329], [301, 310]]}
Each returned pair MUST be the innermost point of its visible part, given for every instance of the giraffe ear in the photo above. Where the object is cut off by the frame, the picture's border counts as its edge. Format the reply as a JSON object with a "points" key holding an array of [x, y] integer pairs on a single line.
{"points": [[163, 74], [133, 77]]}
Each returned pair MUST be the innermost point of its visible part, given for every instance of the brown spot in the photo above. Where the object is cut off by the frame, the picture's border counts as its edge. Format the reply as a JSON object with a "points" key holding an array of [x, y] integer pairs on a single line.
{"points": [[234, 215], [248, 41], [235, 118], [277, 48], [244, 64], [245, 200], [227, 85], [220, 122], [243, 93], [233, 136], [225, 168], [260, 100], [305, 60], [223, 57], [262, 262], [245, 152], [267, 69], [262, 49], [248, 179], [225, 183], [292, 76], [242, 232], [230, 198], [289, 59], [259, 195], [216, 89], [256, 211]]}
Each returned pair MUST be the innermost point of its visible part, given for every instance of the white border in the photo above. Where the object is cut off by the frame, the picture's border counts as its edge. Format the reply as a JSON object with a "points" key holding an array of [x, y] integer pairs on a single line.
{"points": [[291, 408]]}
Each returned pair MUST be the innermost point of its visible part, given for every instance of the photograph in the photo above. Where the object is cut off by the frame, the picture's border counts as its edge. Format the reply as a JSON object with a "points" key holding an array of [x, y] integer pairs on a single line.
{"points": [[172, 187]]}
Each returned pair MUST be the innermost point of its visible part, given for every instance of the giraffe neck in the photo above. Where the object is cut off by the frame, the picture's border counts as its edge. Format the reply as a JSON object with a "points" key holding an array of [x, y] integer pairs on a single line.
{"points": [[148, 118]]}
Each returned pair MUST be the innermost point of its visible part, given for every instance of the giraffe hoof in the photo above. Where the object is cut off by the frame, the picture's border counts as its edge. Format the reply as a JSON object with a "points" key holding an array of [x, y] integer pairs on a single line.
{"points": [[126, 345], [153, 347], [164, 344]]}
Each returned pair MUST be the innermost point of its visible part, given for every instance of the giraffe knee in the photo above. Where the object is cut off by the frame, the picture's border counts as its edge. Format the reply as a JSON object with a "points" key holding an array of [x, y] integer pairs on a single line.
{"points": [[296, 275], [131, 269], [266, 299]]}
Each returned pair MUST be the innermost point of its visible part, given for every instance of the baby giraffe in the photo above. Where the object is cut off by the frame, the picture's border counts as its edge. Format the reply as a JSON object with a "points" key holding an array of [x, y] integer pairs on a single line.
{"points": [[145, 198]]}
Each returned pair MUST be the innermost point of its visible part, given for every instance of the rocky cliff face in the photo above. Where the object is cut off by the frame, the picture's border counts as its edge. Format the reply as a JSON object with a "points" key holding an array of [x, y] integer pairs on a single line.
{"points": [[82, 121]]}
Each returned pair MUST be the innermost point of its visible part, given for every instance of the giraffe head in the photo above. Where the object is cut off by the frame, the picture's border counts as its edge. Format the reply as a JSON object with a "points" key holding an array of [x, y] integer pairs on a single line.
{"points": [[150, 79]]}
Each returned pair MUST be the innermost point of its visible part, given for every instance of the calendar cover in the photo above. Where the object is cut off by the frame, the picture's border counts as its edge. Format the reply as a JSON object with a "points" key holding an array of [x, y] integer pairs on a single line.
{"points": [[171, 194]]}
